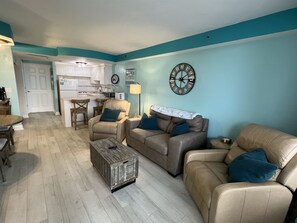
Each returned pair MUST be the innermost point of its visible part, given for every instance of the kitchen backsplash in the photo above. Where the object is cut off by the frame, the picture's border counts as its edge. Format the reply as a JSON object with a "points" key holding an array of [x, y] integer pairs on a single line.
{"points": [[85, 85]]}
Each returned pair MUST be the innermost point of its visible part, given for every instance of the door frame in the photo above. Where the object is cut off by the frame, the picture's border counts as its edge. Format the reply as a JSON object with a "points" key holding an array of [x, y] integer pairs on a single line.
{"points": [[26, 115]]}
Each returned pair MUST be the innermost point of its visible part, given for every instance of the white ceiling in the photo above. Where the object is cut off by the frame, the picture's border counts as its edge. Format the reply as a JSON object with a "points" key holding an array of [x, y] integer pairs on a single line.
{"points": [[118, 26]]}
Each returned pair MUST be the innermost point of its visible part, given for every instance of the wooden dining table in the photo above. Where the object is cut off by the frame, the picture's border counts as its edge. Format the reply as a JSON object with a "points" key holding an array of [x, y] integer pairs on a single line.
{"points": [[8, 120]]}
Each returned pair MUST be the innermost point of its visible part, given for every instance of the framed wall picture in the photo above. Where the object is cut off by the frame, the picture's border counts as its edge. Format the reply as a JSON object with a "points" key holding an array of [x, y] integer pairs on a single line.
{"points": [[130, 76]]}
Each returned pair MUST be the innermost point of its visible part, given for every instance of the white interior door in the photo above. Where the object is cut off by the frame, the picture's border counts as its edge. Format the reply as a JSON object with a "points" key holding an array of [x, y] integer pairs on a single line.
{"points": [[38, 87]]}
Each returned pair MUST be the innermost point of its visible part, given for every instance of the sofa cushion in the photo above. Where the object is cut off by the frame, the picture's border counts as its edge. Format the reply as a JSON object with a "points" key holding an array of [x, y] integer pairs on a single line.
{"points": [[163, 120], [206, 176], [142, 134], [174, 121], [122, 105], [251, 167], [196, 123], [234, 152], [279, 146], [105, 127], [159, 143], [179, 129], [150, 123], [110, 115]]}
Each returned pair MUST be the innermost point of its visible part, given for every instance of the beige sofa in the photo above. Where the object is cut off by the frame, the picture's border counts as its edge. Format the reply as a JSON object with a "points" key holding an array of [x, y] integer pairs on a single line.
{"points": [[205, 177], [158, 146], [100, 130]]}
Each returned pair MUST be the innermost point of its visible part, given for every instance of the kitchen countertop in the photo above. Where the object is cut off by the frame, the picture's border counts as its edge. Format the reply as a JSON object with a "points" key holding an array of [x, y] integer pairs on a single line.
{"points": [[84, 97]]}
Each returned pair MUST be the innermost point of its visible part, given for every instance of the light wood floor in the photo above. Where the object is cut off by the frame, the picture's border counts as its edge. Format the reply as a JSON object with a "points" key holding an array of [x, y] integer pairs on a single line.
{"points": [[53, 180]]}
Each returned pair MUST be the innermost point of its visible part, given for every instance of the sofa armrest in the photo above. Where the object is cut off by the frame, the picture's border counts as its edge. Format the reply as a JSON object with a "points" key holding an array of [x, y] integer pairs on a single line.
{"points": [[179, 145], [239, 202], [121, 129], [133, 123], [91, 123], [211, 155], [123, 120]]}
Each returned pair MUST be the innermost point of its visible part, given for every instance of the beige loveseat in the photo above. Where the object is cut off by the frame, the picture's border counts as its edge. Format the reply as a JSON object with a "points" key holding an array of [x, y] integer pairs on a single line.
{"points": [[100, 129], [158, 146], [205, 177]]}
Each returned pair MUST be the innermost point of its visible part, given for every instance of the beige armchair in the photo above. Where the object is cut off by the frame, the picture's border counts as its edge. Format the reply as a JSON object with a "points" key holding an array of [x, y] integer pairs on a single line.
{"points": [[100, 129], [206, 179]]}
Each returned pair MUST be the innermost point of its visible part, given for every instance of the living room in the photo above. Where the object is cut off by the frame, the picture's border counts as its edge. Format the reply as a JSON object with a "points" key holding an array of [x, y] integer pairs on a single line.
{"points": [[243, 75]]}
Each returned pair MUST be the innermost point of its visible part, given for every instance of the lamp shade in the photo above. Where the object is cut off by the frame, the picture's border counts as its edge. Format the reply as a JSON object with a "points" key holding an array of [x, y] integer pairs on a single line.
{"points": [[6, 36], [135, 89]]}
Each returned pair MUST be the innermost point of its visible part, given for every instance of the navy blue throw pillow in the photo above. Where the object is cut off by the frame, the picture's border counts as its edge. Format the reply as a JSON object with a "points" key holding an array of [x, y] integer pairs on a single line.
{"points": [[144, 116], [110, 115], [251, 167], [179, 129], [149, 123]]}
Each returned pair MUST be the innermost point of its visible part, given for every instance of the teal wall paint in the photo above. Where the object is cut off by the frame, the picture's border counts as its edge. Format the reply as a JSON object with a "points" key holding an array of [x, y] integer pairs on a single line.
{"points": [[38, 62], [22, 47], [7, 78], [277, 22], [5, 30], [55, 83], [62, 51], [254, 81], [85, 53]]}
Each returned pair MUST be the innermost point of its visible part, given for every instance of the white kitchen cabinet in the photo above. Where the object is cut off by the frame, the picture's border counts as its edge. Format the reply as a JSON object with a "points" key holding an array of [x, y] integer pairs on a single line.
{"points": [[107, 74], [96, 76], [102, 74], [72, 70], [60, 69], [84, 72]]}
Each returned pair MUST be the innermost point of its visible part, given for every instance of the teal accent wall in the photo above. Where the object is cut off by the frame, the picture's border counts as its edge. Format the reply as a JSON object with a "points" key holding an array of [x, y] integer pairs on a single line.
{"points": [[254, 81], [7, 78], [55, 82], [274, 23], [22, 47], [5, 30], [62, 51], [277, 22], [85, 53]]}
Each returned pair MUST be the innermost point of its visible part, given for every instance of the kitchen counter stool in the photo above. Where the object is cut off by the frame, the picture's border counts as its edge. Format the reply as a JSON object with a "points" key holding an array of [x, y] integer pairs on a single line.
{"points": [[80, 106], [98, 109]]}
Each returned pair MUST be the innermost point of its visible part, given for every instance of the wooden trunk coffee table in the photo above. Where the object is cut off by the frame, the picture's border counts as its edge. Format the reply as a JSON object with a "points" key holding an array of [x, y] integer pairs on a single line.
{"points": [[117, 163]]}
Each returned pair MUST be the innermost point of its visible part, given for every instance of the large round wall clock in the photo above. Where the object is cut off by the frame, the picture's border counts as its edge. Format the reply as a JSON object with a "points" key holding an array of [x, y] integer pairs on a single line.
{"points": [[182, 79]]}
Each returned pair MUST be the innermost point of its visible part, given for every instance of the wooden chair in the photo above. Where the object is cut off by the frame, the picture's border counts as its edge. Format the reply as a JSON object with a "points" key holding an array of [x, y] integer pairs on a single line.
{"points": [[97, 110], [80, 106], [4, 160], [7, 132]]}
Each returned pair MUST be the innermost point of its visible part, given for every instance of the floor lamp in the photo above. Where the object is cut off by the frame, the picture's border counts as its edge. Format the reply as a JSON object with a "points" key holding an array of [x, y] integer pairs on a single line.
{"points": [[136, 89]]}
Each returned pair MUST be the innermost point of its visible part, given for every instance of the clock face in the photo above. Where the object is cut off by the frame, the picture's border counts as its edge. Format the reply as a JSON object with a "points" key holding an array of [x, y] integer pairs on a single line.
{"points": [[182, 78], [115, 78]]}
